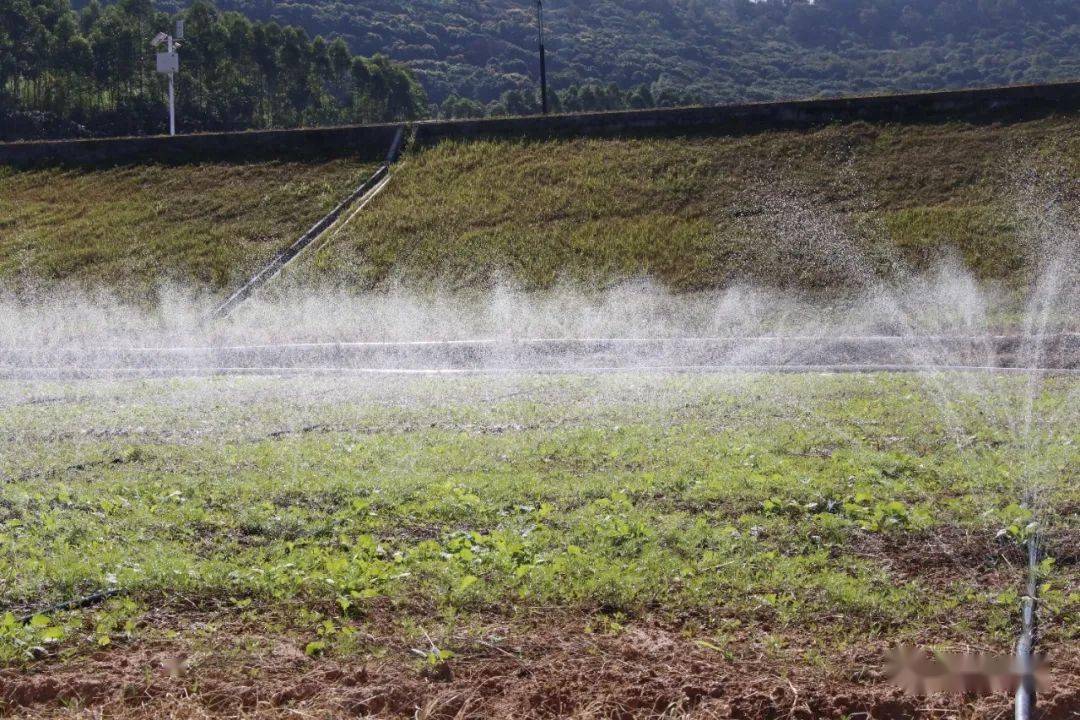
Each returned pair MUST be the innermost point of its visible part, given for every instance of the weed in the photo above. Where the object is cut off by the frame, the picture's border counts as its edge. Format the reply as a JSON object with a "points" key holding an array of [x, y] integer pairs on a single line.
{"points": [[640, 509]]}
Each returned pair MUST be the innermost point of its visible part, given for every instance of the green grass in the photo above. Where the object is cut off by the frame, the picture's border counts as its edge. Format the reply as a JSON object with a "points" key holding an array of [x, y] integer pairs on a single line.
{"points": [[131, 229], [699, 213], [841, 508]]}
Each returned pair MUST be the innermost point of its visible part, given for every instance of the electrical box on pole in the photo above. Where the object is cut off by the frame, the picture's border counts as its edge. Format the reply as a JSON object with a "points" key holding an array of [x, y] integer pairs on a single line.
{"points": [[168, 62]]}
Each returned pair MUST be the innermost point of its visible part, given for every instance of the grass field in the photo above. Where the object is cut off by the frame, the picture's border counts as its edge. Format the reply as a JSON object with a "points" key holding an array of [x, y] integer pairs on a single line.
{"points": [[128, 230], [776, 208], [635, 545]]}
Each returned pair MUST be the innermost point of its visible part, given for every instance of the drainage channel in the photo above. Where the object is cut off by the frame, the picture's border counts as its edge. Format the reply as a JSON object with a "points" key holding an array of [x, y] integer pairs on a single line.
{"points": [[363, 194]]}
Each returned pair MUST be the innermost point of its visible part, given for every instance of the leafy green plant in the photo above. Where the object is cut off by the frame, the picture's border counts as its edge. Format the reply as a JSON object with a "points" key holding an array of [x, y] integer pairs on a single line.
{"points": [[29, 640]]}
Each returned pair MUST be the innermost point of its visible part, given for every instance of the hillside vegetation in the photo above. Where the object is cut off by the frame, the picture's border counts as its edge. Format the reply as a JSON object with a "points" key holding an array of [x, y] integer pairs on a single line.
{"points": [[130, 229], [66, 74], [793, 209], [718, 50], [806, 210]]}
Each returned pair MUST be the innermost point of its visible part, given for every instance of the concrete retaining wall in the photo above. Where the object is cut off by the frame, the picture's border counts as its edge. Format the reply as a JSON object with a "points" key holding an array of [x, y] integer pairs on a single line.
{"points": [[989, 105], [364, 142], [371, 142]]}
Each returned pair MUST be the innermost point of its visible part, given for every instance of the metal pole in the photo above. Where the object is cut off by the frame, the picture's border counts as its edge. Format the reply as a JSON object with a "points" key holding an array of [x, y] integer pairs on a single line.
{"points": [[172, 96], [1025, 646], [543, 57]]}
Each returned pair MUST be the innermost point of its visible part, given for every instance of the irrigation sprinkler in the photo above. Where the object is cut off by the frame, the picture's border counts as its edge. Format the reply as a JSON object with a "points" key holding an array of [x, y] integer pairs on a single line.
{"points": [[168, 63], [543, 56]]}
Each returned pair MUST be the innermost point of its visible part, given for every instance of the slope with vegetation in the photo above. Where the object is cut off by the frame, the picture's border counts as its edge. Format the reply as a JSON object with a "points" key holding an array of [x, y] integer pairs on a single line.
{"points": [[131, 229], [64, 73], [715, 50], [693, 213]]}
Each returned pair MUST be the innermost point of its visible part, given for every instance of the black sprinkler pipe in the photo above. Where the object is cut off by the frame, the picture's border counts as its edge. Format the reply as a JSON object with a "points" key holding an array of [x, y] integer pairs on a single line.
{"points": [[73, 604]]}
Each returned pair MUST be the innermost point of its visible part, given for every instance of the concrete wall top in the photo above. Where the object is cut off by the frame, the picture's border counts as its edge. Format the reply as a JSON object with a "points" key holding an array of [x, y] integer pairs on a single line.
{"points": [[371, 142], [1003, 104], [364, 142]]}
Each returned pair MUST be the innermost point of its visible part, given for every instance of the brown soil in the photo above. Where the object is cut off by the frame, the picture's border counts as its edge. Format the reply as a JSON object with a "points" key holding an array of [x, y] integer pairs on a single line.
{"points": [[937, 556], [551, 667]]}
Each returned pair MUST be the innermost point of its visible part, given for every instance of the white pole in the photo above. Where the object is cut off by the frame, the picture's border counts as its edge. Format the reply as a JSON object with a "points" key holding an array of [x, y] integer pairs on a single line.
{"points": [[172, 97]]}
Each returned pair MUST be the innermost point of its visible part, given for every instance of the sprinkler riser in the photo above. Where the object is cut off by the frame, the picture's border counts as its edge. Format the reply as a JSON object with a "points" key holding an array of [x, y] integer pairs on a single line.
{"points": [[1025, 645]]}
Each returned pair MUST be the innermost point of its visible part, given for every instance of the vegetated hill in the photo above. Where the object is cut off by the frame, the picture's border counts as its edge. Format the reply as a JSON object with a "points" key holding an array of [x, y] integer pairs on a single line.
{"points": [[789, 209], [66, 74], [131, 229], [718, 50]]}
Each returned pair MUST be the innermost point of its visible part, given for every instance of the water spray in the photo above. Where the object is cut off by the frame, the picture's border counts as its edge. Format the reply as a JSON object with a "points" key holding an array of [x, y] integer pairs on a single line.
{"points": [[583, 355]]}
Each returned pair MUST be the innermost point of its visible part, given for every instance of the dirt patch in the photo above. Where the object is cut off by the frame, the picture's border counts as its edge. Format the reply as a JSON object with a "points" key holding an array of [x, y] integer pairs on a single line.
{"points": [[939, 555], [539, 667]]}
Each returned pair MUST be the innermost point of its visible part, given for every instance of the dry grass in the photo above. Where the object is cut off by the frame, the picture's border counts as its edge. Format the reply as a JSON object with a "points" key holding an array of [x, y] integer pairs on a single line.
{"points": [[704, 212], [782, 208], [130, 229]]}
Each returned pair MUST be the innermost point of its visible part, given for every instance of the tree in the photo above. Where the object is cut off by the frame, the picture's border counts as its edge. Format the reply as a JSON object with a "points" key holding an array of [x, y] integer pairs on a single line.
{"points": [[97, 68]]}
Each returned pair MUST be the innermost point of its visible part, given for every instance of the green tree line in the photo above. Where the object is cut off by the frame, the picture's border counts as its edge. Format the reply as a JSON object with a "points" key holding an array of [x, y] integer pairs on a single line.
{"points": [[589, 97], [716, 50], [65, 72], [94, 66]]}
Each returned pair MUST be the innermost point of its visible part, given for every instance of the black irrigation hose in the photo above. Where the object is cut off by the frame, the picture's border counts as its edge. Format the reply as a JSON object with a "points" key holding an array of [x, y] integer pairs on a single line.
{"points": [[73, 604]]}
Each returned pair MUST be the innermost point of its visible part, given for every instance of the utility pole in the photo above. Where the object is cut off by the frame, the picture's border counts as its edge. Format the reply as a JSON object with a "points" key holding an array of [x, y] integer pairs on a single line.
{"points": [[543, 56], [168, 63], [172, 93]]}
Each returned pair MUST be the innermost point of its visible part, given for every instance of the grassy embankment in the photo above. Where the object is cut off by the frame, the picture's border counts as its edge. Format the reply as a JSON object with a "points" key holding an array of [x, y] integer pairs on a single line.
{"points": [[781, 208], [759, 529], [129, 229]]}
